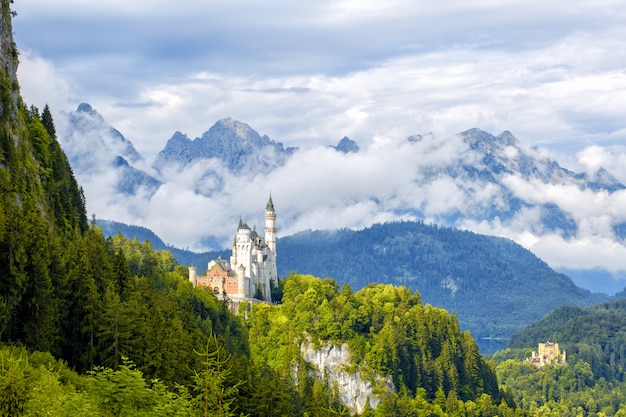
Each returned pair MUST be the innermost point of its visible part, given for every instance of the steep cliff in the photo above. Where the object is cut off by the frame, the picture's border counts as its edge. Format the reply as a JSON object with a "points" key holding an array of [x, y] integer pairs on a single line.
{"points": [[332, 363], [8, 64]]}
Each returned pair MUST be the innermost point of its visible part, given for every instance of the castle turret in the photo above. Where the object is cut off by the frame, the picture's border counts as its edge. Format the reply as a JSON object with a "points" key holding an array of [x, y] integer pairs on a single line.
{"points": [[193, 275], [270, 226], [241, 281]]}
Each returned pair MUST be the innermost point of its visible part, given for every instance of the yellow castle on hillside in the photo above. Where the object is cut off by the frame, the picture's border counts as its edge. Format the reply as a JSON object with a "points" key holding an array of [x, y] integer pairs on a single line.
{"points": [[548, 354]]}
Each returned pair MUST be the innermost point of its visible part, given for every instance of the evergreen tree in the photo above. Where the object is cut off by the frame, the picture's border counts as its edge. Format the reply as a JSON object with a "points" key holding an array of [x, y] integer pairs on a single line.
{"points": [[212, 395]]}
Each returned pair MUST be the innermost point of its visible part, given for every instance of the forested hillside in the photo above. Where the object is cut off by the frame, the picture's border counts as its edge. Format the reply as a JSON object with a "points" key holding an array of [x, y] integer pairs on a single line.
{"points": [[42, 213], [184, 257], [596, 334], [435, 369], [592, 383], [493, 285], [95, 326], [453, 269]]}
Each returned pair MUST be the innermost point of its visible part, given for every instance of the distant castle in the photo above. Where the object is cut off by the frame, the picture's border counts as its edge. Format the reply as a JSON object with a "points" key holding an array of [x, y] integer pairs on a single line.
{"points": [[548, 354], [251, 272]]}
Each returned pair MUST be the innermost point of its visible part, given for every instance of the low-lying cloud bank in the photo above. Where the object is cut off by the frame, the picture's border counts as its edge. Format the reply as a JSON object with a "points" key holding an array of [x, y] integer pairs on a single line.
{"points": [[389, 180]]}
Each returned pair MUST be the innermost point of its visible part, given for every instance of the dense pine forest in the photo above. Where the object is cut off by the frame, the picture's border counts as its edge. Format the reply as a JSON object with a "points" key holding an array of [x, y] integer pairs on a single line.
{"points": [[95, 326]]}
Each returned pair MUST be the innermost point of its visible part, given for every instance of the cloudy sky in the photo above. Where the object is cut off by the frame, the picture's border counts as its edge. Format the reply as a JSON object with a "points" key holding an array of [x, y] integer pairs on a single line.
{"points": [[552, 72], [308, 73]]}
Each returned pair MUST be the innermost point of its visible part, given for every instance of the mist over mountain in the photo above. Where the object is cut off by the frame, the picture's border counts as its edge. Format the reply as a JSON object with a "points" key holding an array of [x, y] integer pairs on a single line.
{"points": [[503, 167], [237, 147], [98, 151], [346, 145], [196, 189], [90, 131]]}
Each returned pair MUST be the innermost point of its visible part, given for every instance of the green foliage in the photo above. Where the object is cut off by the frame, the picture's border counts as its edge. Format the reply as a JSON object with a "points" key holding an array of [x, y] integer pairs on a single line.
{"points": [[483, 279], [42, 213], [125, 392], [559, 390], [13, 391], [38, 385], [214, 397], [595, 334], [388, 330], [185, 257]]}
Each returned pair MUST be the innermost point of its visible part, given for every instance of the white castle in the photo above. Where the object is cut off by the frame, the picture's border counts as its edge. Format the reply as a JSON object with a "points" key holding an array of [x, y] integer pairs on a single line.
{"points": [[251, 272]]}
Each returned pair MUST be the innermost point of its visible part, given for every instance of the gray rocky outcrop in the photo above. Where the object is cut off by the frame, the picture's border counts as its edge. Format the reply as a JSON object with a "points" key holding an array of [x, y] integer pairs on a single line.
{"points": [[333, 364]]}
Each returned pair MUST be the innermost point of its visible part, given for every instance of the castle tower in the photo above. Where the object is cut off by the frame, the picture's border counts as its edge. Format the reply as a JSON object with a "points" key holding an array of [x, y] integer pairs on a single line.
{"points": [[241, 281], [233, 257], [270, 225], [242, 248], [252, 263], [193, 275]]}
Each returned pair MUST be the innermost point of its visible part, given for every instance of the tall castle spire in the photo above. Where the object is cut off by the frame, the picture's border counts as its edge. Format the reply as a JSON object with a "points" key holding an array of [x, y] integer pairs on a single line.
{"points": [[270, 225], [270, 204]]}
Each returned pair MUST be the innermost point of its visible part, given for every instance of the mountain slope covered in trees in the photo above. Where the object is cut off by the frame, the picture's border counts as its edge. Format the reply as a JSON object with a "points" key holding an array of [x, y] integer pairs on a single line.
{"points": [[110, 326], [493, 285], [591, 384], [596, 333]]}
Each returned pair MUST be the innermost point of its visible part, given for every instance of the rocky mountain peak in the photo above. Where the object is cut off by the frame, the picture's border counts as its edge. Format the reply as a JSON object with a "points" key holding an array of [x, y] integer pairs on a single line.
{"points": [[506, 138], [239, 147], [234, 127], [93, 146], [86, 108], [346, 145], [88, 130], [234, 134]]}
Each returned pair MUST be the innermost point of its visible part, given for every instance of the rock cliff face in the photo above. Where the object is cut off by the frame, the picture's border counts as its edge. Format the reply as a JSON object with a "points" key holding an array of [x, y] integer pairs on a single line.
{"points": [[8, 62], [333, 364]]}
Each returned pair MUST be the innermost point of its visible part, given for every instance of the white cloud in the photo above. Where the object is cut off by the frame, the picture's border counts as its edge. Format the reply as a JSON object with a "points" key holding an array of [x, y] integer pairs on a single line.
{"points": [[308, 73], [612, 158], [320, 188], [41, 82]]}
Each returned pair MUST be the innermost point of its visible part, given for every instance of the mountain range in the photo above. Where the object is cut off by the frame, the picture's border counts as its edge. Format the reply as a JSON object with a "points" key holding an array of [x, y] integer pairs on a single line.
{"points": [[240, 148], [108, 324], [493, 285], [476, 181]]}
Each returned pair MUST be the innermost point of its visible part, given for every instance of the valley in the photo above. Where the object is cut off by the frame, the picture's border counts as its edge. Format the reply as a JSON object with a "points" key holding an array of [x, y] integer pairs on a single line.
{"points": [[374, 312]]}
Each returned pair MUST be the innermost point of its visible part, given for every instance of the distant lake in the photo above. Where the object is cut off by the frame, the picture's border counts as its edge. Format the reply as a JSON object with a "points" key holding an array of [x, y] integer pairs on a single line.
{"points": [[489, 346]]}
